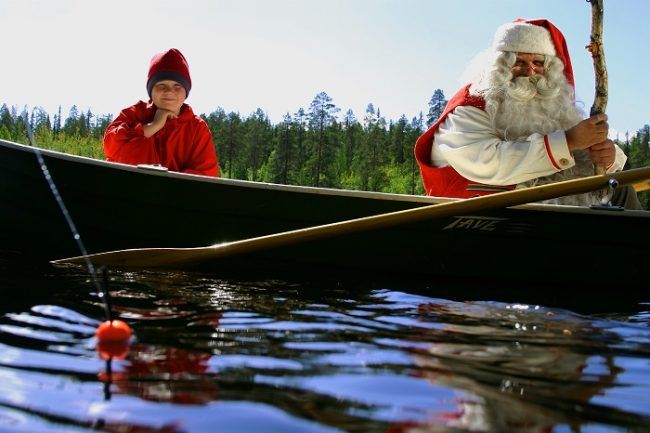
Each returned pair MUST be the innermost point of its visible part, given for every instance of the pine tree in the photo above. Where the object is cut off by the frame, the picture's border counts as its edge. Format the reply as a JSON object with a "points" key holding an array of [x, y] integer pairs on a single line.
{"points": [[57, 123], [70, 127], [101, 124], [89, 119], [227, 132], [300, 120], [4, 132], [322, 115], [257, 142], [285, 148], [216, 122], [352, 136], [371, 154], [370, 117], [6, 123], [280, 161], [81, 125], [21, 125], [398, 139], [436, 107], [416, 129], [40, 119]]}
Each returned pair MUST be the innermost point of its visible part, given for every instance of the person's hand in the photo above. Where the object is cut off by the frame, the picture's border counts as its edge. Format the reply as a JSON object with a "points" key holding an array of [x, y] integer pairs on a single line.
{"points": [[162, 115], [159, 120], [588, 132], [603, 154]]}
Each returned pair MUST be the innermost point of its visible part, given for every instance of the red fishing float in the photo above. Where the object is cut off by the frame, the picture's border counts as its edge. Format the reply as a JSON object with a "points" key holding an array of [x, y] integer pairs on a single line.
{"points": [[113, 339], [113, 331]]}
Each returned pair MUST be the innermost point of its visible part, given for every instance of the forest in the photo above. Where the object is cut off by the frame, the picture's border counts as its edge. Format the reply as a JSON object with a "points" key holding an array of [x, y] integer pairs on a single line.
{"points": [[318, 146]]}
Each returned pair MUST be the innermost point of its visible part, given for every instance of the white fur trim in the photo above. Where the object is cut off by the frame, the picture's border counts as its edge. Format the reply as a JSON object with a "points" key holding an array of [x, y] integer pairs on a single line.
{"points": [[523, 37]]}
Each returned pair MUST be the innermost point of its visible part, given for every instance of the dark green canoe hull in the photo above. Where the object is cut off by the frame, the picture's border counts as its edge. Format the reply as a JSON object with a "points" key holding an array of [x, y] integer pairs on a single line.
{"points": [[115, 206]]}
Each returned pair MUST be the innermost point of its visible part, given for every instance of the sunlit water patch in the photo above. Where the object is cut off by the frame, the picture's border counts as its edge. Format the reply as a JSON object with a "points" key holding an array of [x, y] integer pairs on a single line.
{"points": [[226, 355]]}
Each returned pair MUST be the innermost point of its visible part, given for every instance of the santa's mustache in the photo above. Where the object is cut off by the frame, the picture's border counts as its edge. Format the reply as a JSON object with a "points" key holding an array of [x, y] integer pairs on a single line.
{"points": [[524, 89]]}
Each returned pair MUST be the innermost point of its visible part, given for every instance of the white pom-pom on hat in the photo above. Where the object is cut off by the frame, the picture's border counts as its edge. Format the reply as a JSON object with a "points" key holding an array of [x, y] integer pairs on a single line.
{"points": [[522, 37]]}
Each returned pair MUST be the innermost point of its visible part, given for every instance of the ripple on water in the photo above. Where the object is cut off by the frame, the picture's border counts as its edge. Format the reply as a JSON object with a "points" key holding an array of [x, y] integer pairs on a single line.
{"points": [[214, 354]]}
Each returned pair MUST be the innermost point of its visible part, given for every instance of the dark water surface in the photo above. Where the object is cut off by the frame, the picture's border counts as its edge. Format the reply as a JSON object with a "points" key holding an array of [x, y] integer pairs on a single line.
{"points": [[215, 354]]}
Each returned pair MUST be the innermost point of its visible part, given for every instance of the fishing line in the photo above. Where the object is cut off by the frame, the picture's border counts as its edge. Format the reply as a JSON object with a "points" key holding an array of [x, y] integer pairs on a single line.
{"points": [[112, 335], [109, 330], [59, 200]]}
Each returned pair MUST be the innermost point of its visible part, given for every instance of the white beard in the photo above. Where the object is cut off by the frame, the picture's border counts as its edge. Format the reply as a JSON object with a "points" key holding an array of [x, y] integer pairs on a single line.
{"points": [[548, 108]]}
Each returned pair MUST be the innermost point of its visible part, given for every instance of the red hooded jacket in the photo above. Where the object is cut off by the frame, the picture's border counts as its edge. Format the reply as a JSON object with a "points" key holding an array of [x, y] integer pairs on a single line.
{"points": [[184, 144]]}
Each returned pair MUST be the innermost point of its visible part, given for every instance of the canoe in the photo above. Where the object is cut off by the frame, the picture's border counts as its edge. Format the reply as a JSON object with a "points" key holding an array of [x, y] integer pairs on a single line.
{"points": [[116, 206]]}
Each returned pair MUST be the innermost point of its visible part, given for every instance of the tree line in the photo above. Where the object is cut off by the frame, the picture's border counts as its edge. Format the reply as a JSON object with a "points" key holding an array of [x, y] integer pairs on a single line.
{"points": [[318, 146], [314, 147]]}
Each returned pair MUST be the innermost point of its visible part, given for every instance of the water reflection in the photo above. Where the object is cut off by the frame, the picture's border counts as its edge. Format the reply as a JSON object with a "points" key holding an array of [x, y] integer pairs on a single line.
{"points": [[163, 374], [213, 354], [511, 376]]}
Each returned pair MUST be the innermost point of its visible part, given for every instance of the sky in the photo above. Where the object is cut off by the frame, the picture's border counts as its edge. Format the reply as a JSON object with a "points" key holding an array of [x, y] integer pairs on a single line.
{"points": [[277, 55]]}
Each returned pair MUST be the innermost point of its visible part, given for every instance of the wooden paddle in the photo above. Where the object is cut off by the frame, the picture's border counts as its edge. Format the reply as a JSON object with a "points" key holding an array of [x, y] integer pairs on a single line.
{"points": [[642, 186], [187, 257]]}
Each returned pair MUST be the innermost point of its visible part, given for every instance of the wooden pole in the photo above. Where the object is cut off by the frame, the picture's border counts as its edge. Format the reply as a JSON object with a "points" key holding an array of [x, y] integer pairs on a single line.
{"points": [[597, 51]]}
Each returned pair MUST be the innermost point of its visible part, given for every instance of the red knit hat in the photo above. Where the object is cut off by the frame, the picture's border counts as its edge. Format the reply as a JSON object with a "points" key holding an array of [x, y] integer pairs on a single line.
{"points": [[538, 36], [169, 65]]}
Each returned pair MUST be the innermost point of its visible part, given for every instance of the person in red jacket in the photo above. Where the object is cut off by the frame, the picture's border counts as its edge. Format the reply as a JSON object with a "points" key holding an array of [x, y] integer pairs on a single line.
{"points": [[164, 131], [517, 124]]}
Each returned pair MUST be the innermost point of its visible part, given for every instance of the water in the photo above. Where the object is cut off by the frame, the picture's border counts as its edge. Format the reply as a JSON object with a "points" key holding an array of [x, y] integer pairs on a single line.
{"points": [[237, 354]]}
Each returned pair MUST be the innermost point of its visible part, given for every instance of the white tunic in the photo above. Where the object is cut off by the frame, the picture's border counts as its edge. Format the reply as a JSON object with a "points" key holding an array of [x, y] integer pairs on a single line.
{"points": [[467, 141]]}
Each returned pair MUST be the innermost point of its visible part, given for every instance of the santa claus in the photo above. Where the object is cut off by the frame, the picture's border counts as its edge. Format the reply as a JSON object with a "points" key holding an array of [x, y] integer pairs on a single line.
{"points": [[516, 124]]}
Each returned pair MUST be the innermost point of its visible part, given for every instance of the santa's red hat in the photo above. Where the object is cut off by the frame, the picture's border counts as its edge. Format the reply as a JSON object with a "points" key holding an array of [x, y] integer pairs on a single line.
{"points": [[538, 36], [169, 65]]}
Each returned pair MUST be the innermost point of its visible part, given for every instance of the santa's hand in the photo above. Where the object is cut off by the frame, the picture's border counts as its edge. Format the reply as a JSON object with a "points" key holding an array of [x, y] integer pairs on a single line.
{"points": [[603, 154], [588, 132]]}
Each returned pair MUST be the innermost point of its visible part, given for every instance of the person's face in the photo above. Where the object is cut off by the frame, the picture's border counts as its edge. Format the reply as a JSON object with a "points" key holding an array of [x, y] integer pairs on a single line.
{"points": [[168, 95], [528, 65]]}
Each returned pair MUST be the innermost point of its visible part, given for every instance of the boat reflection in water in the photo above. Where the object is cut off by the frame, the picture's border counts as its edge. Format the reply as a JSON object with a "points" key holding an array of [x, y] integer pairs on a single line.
{"points": [[228, 355], [510, 382]]}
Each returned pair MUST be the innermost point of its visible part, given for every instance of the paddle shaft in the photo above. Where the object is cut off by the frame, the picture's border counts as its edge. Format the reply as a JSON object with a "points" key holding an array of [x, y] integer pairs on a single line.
{"points": [[184, 257], [642, 186]]}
